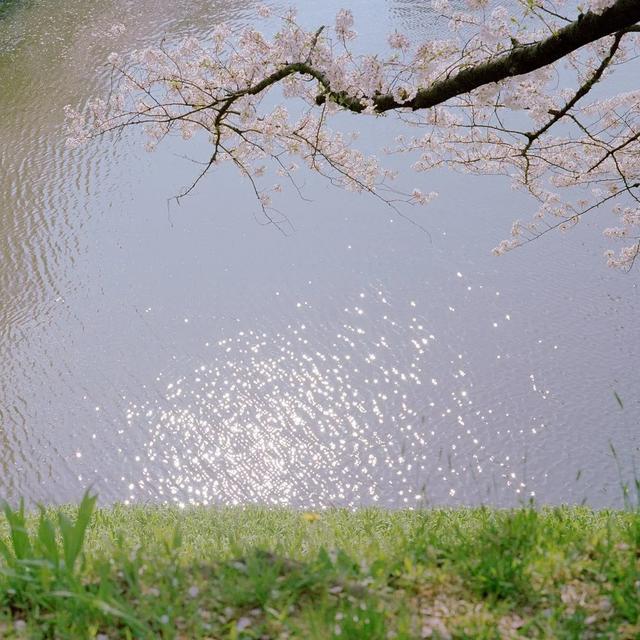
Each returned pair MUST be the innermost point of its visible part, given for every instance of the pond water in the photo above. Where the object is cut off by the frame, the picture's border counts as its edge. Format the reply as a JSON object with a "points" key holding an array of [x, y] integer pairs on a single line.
{"points": [[192, 354]]}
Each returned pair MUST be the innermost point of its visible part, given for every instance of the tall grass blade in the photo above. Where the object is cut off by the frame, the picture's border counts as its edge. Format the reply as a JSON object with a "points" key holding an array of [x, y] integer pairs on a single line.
{"points": [[47, 539], [18, 531], [73, 535]]}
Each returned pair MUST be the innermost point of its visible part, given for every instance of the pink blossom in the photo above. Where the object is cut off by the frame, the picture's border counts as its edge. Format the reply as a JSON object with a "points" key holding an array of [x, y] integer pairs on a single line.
{"points": [[216, 88], [344, 24], [399, 41]]}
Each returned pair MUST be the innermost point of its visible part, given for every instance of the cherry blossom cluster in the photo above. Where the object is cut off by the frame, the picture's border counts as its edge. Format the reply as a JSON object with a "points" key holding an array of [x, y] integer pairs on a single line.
{"points": [[574, 149]]}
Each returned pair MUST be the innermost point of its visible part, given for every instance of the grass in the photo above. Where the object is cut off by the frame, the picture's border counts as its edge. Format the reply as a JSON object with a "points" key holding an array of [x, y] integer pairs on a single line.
{"points": [[240, 573]]}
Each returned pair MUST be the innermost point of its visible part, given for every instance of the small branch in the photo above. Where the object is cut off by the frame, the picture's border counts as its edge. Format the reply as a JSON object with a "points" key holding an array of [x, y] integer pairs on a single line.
{"points": [[582, 91]]}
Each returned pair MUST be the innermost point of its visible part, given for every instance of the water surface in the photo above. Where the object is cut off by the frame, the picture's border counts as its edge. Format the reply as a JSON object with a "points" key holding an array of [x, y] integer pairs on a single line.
{"points": [[191, 354]]}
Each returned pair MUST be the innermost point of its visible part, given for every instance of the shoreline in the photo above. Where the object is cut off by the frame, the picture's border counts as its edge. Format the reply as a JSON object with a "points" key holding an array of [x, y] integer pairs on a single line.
{"points": [[252, 572]]}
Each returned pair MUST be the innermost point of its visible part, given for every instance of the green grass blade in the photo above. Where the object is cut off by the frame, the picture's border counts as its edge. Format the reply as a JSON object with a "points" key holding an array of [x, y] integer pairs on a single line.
{"points": [[6, 552], [18, 531], [47, 539], [73, 535], [104, 607]]}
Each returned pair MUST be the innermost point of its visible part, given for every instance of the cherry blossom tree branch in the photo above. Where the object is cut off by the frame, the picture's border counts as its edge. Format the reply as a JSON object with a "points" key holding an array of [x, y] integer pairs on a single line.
{"points": [[620, 17], [484, 99], [580, 93]]}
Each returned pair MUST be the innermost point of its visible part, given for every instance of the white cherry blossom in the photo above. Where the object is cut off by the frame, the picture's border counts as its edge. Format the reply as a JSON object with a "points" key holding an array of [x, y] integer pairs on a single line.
{"points": [[468, 99]]}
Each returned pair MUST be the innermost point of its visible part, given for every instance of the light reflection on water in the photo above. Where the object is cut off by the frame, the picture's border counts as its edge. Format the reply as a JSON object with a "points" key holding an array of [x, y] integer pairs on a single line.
{"points": [[195, 356], [372, 409]]}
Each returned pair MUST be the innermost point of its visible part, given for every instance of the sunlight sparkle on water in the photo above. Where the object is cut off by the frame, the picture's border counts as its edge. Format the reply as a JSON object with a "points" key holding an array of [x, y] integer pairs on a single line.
{"points": [[279, 418]]}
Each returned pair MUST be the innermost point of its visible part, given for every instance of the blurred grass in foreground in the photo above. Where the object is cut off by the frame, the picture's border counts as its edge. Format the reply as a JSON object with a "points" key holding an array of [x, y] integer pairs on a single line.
{"points": [[162, 572]]}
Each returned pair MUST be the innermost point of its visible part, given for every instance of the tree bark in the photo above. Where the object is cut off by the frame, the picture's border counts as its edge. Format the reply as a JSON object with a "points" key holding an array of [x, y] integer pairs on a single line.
{"points": [[621, 16]]}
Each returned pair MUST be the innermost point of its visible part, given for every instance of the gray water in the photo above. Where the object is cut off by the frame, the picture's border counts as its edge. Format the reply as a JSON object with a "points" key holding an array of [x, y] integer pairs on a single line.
{"points": [[192, 354]]}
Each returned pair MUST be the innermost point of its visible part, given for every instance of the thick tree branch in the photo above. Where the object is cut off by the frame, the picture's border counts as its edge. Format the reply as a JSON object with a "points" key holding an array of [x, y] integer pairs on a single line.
{"points": [[622, 16]]}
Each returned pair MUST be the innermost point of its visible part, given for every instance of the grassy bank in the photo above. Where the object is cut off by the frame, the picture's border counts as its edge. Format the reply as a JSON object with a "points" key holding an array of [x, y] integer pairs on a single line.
{"points": [[157, 572]]}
